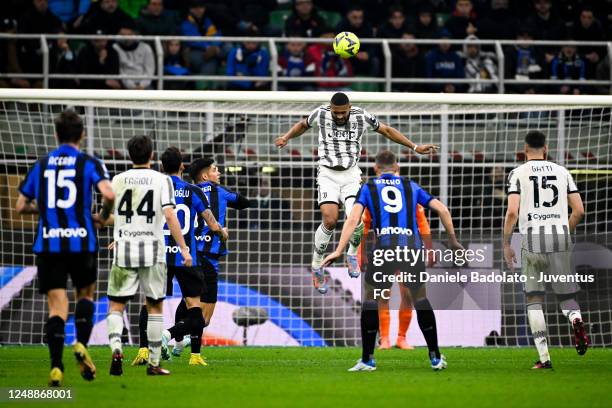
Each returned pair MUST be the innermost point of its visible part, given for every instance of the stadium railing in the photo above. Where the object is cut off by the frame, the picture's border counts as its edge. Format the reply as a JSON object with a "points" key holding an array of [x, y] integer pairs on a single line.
{"points": [[387, 79]]}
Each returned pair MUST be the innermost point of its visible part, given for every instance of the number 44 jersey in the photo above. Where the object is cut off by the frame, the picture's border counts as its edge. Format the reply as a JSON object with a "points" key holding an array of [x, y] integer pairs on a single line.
{"points": [[543, 215], [141, 195]]}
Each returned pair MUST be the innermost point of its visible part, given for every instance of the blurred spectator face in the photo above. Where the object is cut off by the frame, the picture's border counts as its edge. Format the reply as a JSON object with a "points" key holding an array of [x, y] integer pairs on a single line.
{"points": [[62, 42], [542, 7], [463, 8], [397, 19], [425, 18], [173, 47], [586, 18], [127, 32], [250, 46], [355, 18], [264, 186], [155, 7], [524, 37], [472, 51], [303, 8], [569, 51], [444, 46], [198, 11], [409, 48], [109, 6], [99, 44], [296, 48], [41, 5]]}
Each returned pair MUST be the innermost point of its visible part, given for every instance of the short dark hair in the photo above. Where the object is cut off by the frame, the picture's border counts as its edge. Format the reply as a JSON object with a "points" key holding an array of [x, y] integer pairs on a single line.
{"points": [[535, 139], [339, 99], [171, 160], [68, 127], [140, 149], [386, 159], [354, 7], [198, 165]]}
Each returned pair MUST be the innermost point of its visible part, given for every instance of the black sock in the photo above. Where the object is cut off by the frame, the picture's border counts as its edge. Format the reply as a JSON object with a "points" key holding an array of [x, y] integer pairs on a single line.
{"points": [[83, 320], [142, 326], [196, 326], [180, 315], [369, 329], [427, 323], [55, 340]]}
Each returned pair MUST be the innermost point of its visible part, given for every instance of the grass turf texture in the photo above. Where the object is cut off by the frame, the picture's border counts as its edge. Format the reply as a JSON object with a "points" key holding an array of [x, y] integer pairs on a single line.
{"points": [[250, 377]]}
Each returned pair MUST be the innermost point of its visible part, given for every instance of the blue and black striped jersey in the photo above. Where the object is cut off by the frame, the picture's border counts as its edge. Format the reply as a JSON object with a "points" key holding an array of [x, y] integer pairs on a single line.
{"points": [[392, 201], [190, 202], [62, 184]]}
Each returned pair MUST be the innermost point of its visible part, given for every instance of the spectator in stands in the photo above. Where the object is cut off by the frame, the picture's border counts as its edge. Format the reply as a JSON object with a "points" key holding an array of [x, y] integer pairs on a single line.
{"points": [[498, 22], [268, 210], [248, 59], [175, 64], [588, 28], [204, 56], [327, 63], [293, 63], [479, 64], [546, 26], [70, 12], [9, 62], [155, 20], [255, 15], [407, 63], [62, 60], [304, 20], [366, 62], [135, 58], [443, 62], [98, 58], [425, 25], [568, 65], [523, 62], [463, 20], [107, 16], [396, 25]]}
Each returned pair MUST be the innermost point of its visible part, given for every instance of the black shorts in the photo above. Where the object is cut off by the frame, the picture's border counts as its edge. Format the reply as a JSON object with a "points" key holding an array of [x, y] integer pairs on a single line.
{"points": [[211, 280], [190, 280], [53, 270], [378, 276]]}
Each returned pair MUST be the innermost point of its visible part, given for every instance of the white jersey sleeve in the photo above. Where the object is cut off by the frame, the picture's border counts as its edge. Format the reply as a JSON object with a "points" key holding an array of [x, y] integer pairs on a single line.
{"points": [[313, 117], [371, 120], [571, 184], [514, 185]]}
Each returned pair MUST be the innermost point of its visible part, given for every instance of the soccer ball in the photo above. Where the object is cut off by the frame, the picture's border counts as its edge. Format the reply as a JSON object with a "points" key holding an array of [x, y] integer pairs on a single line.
{"points": [[346, 44]]}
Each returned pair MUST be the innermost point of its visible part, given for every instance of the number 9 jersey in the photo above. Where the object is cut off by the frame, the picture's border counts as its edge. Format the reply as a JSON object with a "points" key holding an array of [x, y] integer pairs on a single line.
{"points": [[141, 196]]}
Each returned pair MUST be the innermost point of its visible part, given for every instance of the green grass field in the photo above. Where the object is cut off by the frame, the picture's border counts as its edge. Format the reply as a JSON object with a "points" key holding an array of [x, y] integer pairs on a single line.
{"points": [[250, 377]]}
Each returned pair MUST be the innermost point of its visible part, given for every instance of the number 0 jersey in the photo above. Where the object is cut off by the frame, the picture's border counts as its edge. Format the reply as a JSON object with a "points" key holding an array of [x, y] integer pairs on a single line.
{"points": [[543, 215], [62, 184], [190, 203], [140, 197], [392, 203], [340, 145]]}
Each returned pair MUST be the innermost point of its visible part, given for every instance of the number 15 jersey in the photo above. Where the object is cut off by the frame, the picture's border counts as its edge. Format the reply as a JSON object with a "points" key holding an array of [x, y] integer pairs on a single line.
{"points": [[543, 215], [141, 196]]}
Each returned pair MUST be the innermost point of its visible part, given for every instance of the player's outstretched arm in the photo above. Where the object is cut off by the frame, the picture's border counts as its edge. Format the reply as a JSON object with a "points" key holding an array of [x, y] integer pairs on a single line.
{"points": [[214, 225], [575, 202], [347, 232], [296, 130], [447, 221], [108, 201], [25, 206], [512, 215], [395, 135], [175, 229]]}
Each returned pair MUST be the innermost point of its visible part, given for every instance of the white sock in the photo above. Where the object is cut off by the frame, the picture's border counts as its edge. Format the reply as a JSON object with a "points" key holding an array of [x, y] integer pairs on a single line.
{"points": [[355, 240], [322, 237], [155, 326], [114, 324], [535, 314], [570, 309]]}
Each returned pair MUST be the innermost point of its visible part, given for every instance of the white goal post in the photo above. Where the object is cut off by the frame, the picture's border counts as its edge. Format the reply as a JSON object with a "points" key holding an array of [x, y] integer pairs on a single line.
{"points": [[480, 137]]}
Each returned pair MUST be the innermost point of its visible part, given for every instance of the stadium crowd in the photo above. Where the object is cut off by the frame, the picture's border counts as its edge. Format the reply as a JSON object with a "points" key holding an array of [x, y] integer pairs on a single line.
{"points": [[409, 19]]}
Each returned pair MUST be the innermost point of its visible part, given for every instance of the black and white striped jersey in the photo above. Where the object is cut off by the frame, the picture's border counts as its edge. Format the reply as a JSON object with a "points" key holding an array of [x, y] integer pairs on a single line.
{"points": [[543, 212], [140, 198], [340, 145]]}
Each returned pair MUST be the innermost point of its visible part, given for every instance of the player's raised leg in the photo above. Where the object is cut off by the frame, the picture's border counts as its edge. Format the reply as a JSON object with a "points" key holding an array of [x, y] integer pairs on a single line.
{"points": [[323, 234], [571, 310]]}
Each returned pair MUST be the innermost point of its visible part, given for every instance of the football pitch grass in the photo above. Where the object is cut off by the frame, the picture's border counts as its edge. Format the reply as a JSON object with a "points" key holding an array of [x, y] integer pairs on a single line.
{"points": [[317, 377]]}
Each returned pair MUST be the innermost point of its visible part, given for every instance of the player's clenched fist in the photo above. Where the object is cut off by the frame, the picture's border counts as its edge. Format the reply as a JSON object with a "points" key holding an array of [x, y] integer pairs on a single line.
{"points": [[281, 142], [426, 148]]}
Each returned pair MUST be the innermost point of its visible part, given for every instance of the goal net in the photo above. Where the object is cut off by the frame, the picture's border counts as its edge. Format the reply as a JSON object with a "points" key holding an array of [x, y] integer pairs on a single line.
{"points": [[267, 270]]}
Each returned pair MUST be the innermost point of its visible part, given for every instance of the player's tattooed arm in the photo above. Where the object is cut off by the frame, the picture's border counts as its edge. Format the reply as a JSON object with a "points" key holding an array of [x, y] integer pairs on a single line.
{"points": [[446, 220], [395, 135], [214, 225], [25, 205], [296, 130], [108, 202]]}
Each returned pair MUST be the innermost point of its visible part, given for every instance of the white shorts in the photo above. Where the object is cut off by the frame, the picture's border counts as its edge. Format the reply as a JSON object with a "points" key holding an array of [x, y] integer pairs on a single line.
{"points": [[123, 282], [550, 264], [335, 186]]}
